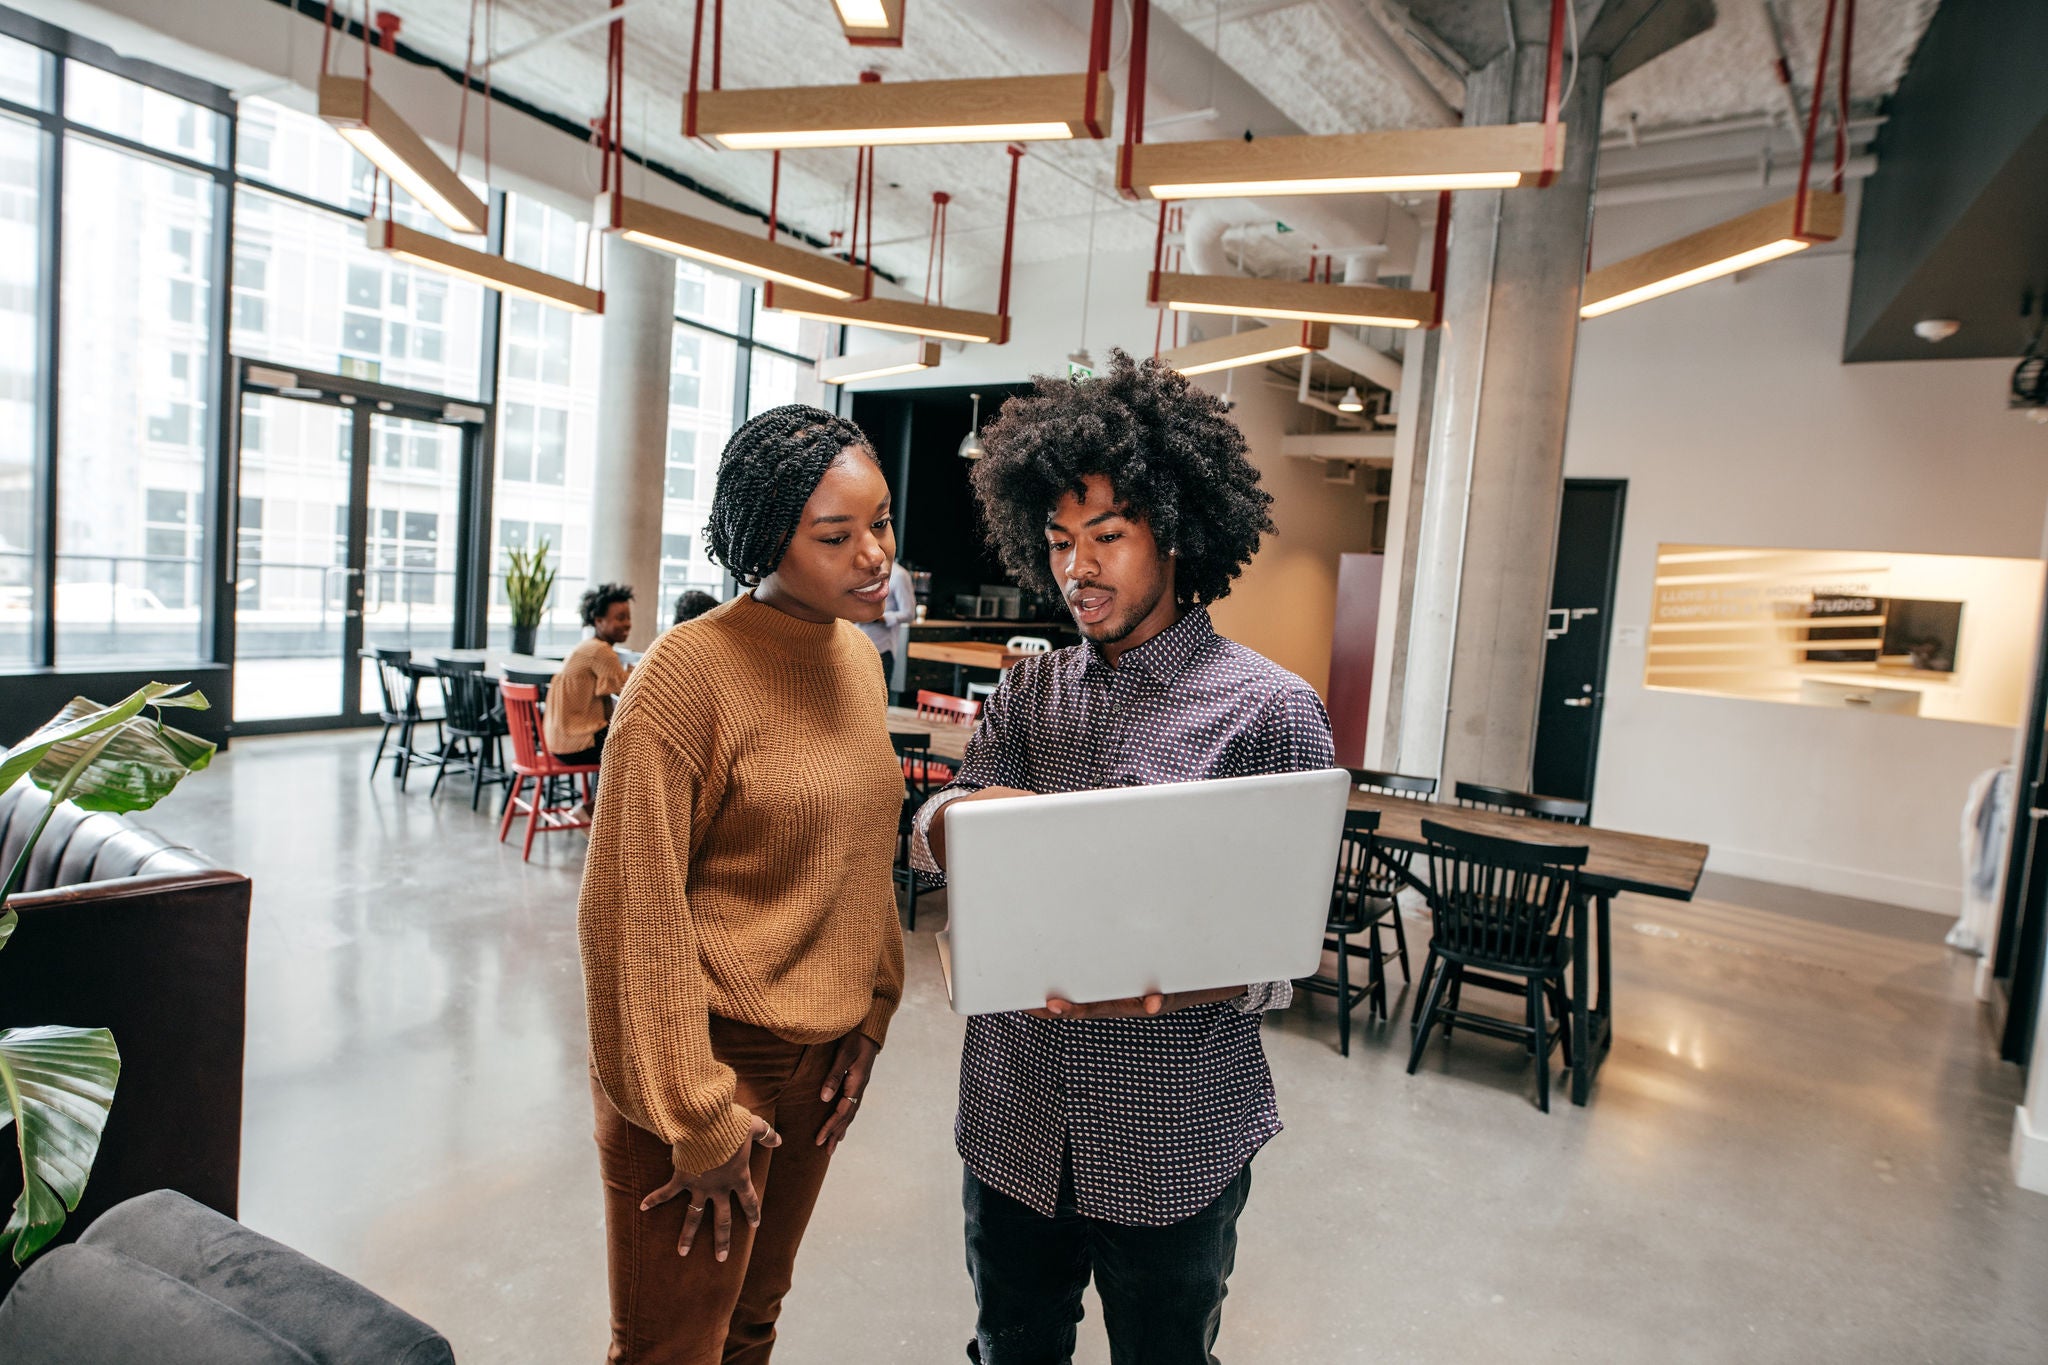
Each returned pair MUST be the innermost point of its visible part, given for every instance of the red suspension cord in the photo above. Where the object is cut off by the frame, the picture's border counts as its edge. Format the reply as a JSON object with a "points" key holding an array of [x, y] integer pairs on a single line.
{"points": [[1098, 62], [1440, 254], [774, 191], [935, 253], [1820, 85], [1553, 99], [1016, 151], [1842, 107]]}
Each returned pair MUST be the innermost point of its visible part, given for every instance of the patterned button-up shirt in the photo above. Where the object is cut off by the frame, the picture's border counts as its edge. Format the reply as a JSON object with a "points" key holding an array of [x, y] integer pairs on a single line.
{"points": [[1158, 1114]]}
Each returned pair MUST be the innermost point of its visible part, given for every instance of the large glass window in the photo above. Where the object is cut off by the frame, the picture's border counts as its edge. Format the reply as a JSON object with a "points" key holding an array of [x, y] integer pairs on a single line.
{"points": [[21, 151], [132, 394], [547, 422], [22, 77]]}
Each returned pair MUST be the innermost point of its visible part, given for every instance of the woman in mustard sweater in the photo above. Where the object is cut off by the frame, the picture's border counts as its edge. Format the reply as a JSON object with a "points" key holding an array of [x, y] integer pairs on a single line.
{"points": [[741, 951]]}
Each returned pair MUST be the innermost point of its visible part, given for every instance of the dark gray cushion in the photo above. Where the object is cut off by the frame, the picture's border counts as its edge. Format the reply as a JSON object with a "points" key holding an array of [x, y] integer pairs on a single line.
{"points": [[84, 1305], [25, 804], [330, 1317], [49, 851]]}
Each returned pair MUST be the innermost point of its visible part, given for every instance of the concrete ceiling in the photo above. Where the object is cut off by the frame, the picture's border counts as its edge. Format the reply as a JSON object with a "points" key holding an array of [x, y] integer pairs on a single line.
{"points": [[1273, 66]]}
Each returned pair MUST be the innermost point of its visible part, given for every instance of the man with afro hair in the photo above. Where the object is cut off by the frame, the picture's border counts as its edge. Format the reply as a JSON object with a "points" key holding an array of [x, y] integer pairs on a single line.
{"points": [[1114, 1139]]}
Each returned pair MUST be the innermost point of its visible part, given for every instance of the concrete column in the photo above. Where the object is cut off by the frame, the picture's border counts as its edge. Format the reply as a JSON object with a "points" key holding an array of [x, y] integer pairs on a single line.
{"points": [[632, 428], [1492, 471]]}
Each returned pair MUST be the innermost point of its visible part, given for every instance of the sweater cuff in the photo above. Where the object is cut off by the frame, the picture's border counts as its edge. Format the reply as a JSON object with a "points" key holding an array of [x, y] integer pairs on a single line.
{"points": [[875, 1028], [715, 1145]]}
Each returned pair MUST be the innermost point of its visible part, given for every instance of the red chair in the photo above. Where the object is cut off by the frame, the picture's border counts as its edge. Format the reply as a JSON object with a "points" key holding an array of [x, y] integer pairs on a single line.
{"points": [[953, 710], [531, 759]]}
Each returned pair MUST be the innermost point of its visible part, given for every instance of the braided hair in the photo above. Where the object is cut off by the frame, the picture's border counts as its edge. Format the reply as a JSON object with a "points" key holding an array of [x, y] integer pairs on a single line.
{"points": [[769, 470], [1169, 453]]}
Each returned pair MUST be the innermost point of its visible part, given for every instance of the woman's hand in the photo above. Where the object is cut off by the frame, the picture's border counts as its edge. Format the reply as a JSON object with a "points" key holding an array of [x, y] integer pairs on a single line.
{"points": [[847, 1080], [708, 1189]]}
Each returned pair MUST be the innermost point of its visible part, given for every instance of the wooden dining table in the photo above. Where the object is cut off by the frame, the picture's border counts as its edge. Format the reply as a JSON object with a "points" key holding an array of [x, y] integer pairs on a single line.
{"points": [[1615, 861], [966, 654], [949, 738]]}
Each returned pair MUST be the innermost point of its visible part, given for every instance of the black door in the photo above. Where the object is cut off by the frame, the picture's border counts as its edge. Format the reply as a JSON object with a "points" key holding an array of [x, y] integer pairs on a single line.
{"points": [[2023, 916], [1581, 621]]}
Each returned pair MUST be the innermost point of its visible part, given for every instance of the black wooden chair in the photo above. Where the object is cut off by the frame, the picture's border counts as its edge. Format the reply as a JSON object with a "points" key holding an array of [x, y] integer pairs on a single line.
{"points": [[1500, 907], [473, 738], [1507, 801], [1356, 907], [1389, 871], [914, 752], [401, 711], [531, 678]]}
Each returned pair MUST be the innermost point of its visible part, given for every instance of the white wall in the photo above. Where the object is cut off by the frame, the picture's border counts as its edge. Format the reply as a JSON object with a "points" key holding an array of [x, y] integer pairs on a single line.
{"points": [[1728, 411]]}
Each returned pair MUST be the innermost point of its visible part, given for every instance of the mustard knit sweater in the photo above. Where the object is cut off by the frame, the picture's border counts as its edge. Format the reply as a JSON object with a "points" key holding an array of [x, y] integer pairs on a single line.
{"points": [[740, 863]]}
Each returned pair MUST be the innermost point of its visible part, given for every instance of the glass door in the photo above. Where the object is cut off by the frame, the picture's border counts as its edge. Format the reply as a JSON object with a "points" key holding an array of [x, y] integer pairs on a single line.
{"points": [[296, 582], [348, 537]]}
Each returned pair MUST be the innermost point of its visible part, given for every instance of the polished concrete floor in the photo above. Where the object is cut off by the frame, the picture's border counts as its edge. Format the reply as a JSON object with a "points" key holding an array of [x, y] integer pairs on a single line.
{"points": [[1797, 1151]]}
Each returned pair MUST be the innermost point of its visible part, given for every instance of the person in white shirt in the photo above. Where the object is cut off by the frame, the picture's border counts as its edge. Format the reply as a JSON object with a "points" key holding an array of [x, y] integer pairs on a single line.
{"points": [[891, 634]]}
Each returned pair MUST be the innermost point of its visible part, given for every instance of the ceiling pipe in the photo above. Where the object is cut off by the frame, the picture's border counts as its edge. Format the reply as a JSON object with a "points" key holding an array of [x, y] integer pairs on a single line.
{"points": [[1351, 17], [1686, 187]]}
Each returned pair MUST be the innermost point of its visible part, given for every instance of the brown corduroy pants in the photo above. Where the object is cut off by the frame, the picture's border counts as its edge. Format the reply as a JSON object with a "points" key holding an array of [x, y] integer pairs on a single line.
{"points": [[694, 1310]]}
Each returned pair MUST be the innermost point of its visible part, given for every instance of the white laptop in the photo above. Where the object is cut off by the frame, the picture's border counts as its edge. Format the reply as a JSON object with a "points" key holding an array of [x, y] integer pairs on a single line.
{"points": [[1104, 895]]}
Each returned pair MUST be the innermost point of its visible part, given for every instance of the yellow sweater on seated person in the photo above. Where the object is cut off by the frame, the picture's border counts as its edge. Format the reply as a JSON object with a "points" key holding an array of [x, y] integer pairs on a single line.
{"points": [[740, 863]]}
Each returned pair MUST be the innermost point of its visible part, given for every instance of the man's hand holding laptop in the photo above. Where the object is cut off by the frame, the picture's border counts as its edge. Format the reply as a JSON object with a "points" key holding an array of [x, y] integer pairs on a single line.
{"points": [[1131, 1007]]}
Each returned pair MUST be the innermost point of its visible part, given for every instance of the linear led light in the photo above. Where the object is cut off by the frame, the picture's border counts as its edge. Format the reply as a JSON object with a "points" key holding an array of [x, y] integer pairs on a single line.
{"points": [[493, 272], [895, 315], [871, 23], [1254, 346], [1767, 234], [1422, 160], [651, 225], [911, 355], [898, 113], [388, 142], [1349, 304]]}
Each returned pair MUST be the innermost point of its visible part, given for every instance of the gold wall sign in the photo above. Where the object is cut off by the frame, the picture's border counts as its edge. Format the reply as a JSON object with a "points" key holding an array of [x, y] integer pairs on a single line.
{"points": [[1947, 637]]}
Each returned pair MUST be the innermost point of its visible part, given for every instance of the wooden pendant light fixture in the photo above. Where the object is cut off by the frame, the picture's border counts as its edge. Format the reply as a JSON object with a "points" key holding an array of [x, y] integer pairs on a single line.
{"points": [[1777, 230], [1310, 300], [902, 113], [1401, 160], [680, 234], [1253, 346], [389, 143], [890, 360], [493, 272], [871, 23], [925, 319]]}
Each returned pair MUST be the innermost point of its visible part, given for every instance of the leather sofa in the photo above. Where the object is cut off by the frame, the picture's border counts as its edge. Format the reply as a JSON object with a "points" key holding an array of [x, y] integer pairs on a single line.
{"points": [[122, 929], [159, 1280]]}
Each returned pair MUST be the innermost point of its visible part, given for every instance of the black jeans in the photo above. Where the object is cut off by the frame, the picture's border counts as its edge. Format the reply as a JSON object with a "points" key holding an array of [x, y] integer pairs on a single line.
{"points": [[1162, 1288]]}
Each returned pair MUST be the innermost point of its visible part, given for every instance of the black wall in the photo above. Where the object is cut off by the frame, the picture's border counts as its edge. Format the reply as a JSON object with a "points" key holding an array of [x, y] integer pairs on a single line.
{"points": [[938, 528], [1955, 222], [29, 699]]}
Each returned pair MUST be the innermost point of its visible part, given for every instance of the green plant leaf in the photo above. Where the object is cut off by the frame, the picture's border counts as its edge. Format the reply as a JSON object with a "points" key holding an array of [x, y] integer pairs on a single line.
{"points": [[83, 718], [8, 919], [59, 1085], [137, 765]]}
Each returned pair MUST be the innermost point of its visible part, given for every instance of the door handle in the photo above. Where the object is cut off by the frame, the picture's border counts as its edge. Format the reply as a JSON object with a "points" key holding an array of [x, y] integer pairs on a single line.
{"points": [[1578, 701], [2036, 814]]}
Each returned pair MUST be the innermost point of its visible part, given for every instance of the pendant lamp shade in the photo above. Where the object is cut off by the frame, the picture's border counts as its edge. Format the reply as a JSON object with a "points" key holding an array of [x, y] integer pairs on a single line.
{"points": [[679, 234], [903, 113], [1351, 402], [970, 444], [1354, 304], [879, 364], [871, 23], [1412, 160], [1252, 346], [492, 272], [389, 143], [892, 315], [1738, 244]]}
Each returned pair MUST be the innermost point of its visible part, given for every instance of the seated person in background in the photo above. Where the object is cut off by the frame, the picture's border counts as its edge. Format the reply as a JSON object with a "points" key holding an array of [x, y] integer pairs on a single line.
{"points": [[578, 710], [692, 604]]}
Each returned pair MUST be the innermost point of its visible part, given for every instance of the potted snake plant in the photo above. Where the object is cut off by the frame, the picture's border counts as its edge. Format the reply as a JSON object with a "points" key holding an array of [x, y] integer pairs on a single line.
{"points": [[58, 1083], [528, 583]]}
